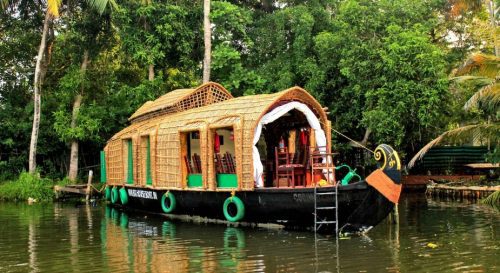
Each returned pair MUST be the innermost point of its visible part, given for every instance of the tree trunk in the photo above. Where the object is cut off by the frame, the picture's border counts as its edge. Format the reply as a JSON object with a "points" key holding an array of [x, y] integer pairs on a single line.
{"points": [[364, 141], [37, 94], [73, 158], [492, 11], [208, 41], [151, 75]]}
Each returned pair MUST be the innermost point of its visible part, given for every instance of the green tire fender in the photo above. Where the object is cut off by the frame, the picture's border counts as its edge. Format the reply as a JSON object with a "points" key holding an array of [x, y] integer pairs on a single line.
{"points": [[168, 202], [114, 195], [107, 193], [240, 209], [123, 196]]}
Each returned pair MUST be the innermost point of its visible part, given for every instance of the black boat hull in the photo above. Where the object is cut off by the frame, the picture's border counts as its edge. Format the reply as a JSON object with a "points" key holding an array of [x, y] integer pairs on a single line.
{"points": [[360, 206]]}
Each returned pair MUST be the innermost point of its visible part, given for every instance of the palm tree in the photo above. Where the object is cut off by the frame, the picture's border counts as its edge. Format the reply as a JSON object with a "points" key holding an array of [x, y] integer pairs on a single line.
{"points": [[52, 11], [460, 6], [207, 37], [482, 70]]}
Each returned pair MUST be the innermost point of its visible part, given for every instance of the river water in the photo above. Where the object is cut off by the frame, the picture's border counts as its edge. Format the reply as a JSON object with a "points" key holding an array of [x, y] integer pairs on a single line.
{"points": [[432, 236]]}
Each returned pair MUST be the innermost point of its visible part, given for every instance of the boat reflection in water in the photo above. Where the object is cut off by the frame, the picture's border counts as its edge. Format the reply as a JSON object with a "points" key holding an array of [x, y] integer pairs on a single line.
{"points": [[430, 236], [156, 245]]}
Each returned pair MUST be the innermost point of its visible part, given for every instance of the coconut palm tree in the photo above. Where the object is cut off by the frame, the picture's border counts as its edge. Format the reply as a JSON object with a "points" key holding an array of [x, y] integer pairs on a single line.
{"points": [[207, 37], [52, 11], [482, 69], [460, 6]]}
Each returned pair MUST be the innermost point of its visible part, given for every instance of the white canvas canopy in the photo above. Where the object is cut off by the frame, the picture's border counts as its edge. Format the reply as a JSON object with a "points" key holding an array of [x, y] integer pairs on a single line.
{"points": [[275, 114]]}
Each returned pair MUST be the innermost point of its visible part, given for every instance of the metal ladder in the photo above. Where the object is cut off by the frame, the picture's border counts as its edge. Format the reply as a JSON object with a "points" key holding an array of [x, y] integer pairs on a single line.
{"points": [[322, 214]]}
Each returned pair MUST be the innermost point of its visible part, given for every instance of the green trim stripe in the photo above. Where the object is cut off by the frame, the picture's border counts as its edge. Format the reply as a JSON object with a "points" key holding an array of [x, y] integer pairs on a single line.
{"points": [[103, 167], [130, 163], [149, 180]]}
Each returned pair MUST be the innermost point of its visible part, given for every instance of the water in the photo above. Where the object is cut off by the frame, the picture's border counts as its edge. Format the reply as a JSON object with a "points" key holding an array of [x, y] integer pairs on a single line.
{"points": [[79, 238]]}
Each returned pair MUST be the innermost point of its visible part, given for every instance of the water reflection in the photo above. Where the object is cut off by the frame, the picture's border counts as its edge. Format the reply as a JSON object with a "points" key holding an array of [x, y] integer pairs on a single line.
{"points": [[79, 238], [157, 245]]}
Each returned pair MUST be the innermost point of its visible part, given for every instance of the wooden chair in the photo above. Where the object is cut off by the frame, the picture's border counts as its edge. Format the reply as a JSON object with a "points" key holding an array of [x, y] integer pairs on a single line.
{"points": [[197, 163], [220, 165], [230, 163], [188, 165], [300, 163], [284, 168]]}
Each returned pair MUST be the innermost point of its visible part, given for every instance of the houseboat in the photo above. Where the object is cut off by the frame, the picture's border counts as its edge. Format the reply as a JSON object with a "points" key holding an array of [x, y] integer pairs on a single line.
{"points": [[257, 159]]}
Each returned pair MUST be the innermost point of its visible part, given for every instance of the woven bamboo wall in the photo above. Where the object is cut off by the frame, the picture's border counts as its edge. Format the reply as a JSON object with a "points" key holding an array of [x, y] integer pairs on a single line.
{"points": [[141, 162], [114, 161], [242, 113]]}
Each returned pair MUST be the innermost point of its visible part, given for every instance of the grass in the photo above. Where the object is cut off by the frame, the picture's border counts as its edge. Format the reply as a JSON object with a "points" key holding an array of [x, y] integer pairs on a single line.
{"points": [[27, 186]]}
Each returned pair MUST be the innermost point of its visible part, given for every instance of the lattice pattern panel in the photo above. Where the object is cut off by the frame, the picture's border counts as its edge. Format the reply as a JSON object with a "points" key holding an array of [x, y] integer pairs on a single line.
{"points": [[141, 161], [114, 162], [204, 95], [168, 169]]}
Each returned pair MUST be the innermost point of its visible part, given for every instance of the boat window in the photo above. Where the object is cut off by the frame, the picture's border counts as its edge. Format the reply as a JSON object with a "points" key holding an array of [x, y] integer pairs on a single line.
{"points": [[192, 159], [224, 157]]}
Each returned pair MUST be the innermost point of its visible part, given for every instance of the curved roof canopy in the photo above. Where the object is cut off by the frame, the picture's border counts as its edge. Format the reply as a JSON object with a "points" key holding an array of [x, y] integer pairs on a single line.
{"points": [[250, 108], [181, 100]]}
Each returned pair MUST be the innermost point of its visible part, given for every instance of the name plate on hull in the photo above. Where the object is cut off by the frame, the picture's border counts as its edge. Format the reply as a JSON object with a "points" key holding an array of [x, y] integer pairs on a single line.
{"points": [[142, 194]]}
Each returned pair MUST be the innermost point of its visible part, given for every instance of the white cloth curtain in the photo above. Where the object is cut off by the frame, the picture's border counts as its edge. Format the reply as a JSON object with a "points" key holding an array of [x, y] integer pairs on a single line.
{"points": [[274, 115]]}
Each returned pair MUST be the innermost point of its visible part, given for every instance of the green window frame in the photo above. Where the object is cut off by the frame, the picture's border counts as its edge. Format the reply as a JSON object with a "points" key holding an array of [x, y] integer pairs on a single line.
{"points": [[149, 179], [130, 162], [103, 167]]}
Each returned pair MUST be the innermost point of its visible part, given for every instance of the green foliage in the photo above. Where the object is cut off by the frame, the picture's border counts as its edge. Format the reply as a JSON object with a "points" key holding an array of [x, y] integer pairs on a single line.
{"points": [[381, 71], [27, 186], [412, 86], [492, 199], [379, 65]]}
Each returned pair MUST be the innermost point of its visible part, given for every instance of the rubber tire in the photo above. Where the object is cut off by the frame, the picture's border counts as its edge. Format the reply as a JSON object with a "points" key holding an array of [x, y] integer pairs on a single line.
{"points": [[240, 209], [107, 193], [173, 203], [123, 196], [114, 195]]}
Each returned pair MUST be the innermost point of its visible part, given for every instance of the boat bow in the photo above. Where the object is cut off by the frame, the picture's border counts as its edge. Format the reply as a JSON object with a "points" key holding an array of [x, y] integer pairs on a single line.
{"points": [[387, 178]]}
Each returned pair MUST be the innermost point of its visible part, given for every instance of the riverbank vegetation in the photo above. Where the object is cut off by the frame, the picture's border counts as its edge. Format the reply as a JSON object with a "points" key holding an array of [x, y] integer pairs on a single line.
{"points": [[395, 72], [29, 187]]}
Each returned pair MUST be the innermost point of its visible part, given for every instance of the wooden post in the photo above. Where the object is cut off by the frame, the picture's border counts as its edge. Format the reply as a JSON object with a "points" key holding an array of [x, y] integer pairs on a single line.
{"points": [[88, 192]]}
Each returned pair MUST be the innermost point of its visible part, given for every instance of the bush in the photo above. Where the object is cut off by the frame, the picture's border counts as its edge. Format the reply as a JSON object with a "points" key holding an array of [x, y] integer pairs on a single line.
{"points": [[26, 186]]}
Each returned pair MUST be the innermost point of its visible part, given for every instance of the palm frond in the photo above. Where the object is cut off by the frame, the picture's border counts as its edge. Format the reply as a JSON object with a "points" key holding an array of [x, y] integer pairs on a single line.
{"points": [[460, 6], [489, 95], [480, 64], [4, 4], [492, 199], [478, 80], [53, 7], [475, 131], [100, 5]]}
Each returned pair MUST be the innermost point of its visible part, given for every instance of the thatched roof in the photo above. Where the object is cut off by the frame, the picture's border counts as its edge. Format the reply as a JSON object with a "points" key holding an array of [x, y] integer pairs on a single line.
{"points": [[252, 108], [181, 100]]}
